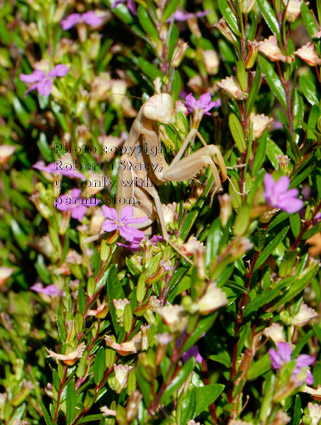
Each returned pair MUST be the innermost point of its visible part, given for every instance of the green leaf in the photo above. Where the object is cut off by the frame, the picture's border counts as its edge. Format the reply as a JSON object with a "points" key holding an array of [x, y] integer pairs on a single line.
{"points": [[270, 248], [268, 390], [61, 326], [295, 223], [81, 301], [309, 90], [273, 80], [114, 291], [70, 402], [92, 418], [173, 36], [242, 220], [260, 300], [298, 110], [44, 148], [144, 385], [147, 23], [260, 367], [273, 152], [297, 410], [56, 380], [260, 154], [241, 74], [99, 366], [170, 9], [237, 132], [203, 326], [270, 17], [122, 12], [308, 20], [178, 380], [302, 176], [45, 413], [229, 16], [206, 396], [187, 407], [150, 70], [60, 116], [254, 90], [297, 287]]}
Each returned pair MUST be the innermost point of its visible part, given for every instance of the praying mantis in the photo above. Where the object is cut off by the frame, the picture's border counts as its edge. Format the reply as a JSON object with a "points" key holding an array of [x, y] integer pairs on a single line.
{"points": [[148, 172]]}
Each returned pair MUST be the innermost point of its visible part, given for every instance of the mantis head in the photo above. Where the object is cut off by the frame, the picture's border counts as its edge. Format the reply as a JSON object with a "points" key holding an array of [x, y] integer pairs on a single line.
{"points": [[159, 108]]}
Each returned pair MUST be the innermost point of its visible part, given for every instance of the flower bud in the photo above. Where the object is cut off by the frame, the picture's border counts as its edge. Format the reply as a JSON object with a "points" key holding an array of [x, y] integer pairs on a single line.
{"points": [[179, 52], [224, 29], [104, 251], [119, 381], [133, 401], [252, 52], [225, 208], [163, 341]]}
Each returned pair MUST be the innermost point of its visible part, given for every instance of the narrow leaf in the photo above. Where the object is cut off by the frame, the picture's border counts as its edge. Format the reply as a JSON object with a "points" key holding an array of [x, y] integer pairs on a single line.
{"points": [[229, 16], [270, 248], [147, 23], [237, 132], [70, 402], [273, 80], [270, 17], [206, 396], [99, 366], [178, 380], [308, 20]]}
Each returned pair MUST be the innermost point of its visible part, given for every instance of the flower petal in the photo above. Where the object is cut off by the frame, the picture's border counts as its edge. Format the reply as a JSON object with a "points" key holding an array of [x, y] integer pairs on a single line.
{"points": [[126, 213], [44, 87], [70, 21], [109, 226], [285, 351], [304, 360], [75, 193], [63, 206], [79, 212], [291, 205], [33, 87], [50, 290], [110, 213], [204, 100], [59, 71], [282, 185], [268, 182], [90, 18], [130, 233], [36, 76], [190, 103]]}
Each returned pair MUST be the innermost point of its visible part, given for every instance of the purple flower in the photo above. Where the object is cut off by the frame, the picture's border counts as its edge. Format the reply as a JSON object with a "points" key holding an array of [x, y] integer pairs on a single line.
{"points": [[282, 355], [302, 361], [50, 290], [74, 204], [278, 196], [130, 5], [135, 244], [90, 18], [52, 169], [123, 223], [192, 352], [181, 16], [204, 103], [42, 81]]}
